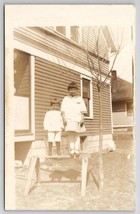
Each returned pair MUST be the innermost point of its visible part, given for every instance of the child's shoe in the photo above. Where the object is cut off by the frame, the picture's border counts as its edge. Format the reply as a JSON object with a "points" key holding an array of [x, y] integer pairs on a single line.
{"points": [[77, 153], [72, 153]]}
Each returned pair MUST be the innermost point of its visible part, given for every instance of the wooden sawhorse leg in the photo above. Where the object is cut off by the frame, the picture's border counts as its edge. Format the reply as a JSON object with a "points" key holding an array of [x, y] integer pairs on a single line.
{"points": [[34, 163], [84, 175], [38, 176]]}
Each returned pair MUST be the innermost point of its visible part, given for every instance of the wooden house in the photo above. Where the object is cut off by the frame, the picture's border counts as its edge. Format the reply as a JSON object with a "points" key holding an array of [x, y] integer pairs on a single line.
{"points": [[122, 105], [46, 59]]}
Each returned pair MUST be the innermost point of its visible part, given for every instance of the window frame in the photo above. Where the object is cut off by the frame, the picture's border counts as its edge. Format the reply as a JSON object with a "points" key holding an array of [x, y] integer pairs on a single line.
{"points": [[29, 134], [22, 96], [91, 115]]}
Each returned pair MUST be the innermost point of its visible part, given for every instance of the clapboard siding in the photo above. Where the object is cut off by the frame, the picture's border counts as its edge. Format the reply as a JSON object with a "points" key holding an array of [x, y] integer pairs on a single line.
{"points": [[47, 66], [51, 82], [48, 84], [93, 125], [53, 44], [63, 48], [90, 37]]}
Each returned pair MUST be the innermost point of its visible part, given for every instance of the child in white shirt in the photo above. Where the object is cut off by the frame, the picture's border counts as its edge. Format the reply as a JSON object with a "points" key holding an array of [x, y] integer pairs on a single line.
{"points": [[53, 123], [73, 109]]}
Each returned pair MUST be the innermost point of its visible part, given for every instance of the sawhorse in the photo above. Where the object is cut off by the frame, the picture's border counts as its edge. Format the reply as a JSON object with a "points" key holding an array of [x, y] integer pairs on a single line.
{"points": [[35, 165]]}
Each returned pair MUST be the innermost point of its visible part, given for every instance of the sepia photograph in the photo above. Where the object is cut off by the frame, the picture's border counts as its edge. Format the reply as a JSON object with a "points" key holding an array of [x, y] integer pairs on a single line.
{"points": [[70, 107]]}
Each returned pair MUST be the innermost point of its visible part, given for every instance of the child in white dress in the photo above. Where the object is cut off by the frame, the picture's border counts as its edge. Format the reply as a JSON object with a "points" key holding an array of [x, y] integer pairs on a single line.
{"points": [[73, 108], [53, 124]]}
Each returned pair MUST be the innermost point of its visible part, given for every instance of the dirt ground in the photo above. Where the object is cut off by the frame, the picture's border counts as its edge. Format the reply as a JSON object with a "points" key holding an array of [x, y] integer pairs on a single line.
{"points": [[60, 186]]}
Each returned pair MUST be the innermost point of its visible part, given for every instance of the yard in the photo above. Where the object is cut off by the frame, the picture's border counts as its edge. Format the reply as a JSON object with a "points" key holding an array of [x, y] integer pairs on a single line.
{"points": [[60, 187]]}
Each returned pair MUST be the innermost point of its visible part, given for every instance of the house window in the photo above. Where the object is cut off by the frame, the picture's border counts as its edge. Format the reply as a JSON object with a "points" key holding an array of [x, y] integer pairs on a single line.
{"points": [[22, 84], [129, 108], [87, 96], [61, 29], [75, 33], [118, 106], [70, 32]]}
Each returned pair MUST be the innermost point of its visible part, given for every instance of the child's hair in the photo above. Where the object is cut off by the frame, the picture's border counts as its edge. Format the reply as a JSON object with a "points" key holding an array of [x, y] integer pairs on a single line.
{"points": [[55, 101], [72, 85]]}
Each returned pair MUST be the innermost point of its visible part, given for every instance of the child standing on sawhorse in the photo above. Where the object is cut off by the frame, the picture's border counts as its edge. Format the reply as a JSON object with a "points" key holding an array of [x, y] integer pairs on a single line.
{"points": [[73, 109], [53, 125]]}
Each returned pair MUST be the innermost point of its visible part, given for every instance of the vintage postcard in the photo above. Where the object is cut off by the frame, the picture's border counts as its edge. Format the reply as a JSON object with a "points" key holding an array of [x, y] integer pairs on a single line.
{"points": [[70, 107]]}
